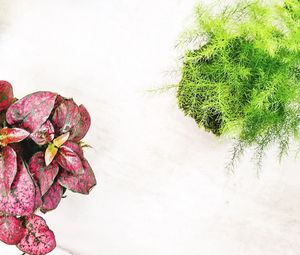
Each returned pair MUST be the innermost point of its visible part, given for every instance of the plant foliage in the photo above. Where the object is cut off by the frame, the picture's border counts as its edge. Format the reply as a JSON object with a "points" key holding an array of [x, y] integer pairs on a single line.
{"points": [[41, 156], [242, 77]]}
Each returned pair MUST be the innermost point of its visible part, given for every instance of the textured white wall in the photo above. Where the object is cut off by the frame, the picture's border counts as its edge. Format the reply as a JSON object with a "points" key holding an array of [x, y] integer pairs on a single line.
{"points": [[163, 189]]}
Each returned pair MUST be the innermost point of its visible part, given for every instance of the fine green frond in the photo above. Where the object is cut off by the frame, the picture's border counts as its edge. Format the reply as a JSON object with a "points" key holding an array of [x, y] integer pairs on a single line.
{"points": [[245, 80]]}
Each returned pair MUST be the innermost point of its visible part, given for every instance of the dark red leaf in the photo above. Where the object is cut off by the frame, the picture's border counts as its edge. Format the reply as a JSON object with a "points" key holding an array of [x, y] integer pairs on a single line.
{"points": [[81, 128], [11, 230], [44, 175], [52, 198], [6, 95], [18, 148], [69, 160], [38, 238], [2, 117], [75, 147], [38, 197], [58, 101], [12, 135], [44, 134], [8, 169], [80, 184], [65, 116], [21, 199], [31, 111]]}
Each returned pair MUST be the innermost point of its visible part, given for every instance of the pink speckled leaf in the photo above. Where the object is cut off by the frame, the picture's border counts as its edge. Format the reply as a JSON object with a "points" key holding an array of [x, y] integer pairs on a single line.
{"points": [[52, 198], [21, 199], [65, 116], [69, 160], [44, 175], [38, 238], [11, 230], [8, 169], [81, 128], [6, 95], [44, 134], [31, 111], [80, 184], [12, 135], [74, 147]]}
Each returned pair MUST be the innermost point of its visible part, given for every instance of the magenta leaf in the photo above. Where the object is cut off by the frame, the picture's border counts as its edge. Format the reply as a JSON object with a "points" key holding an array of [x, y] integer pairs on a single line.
{"points": [[65, 116], [6, 95], [11, 230], [21, 199], [38, 238], [8, 169], [52, 198], [80, 184], [12, 135], [69, 160], [44, 175], [81, 128], [44, 134], [31, 111], [74, 147]]}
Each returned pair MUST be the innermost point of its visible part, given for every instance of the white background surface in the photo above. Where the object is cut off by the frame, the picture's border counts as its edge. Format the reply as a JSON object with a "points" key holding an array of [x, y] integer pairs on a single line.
{"points": [[163, 188]]}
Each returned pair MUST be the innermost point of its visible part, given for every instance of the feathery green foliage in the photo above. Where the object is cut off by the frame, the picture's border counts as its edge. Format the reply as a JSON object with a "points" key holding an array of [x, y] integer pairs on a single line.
{"points": [[243, 77]]}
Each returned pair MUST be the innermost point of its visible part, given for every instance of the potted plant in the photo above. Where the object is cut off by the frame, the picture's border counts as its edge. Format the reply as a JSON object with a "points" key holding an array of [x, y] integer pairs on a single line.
{"points": [[241, 76], [41, 156]]}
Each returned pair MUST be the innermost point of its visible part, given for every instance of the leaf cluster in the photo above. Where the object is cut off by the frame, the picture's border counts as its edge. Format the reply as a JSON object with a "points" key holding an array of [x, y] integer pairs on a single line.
{"points": [[244, 79]]}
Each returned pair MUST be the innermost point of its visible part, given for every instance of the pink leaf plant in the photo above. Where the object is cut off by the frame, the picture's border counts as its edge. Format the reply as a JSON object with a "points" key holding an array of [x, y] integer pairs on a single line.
{"points": [[41, 156]]}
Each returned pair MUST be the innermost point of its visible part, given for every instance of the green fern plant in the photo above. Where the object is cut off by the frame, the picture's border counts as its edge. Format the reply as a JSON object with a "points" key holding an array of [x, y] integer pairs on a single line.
{"points": [[242, 76]]}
